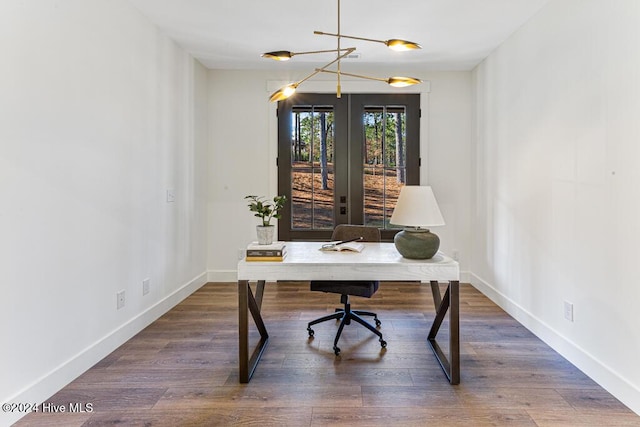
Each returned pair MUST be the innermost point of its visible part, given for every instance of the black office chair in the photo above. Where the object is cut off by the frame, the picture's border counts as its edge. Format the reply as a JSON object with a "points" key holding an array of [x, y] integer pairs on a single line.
{"points": [[361, 288]]}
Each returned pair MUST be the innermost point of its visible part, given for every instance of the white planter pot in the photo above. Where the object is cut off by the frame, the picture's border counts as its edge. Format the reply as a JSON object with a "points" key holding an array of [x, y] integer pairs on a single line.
{"points": [[265, 234]]}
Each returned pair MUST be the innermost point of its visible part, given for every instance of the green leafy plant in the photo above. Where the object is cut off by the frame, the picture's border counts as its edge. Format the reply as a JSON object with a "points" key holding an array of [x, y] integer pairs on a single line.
{"points": [[266, 209]]}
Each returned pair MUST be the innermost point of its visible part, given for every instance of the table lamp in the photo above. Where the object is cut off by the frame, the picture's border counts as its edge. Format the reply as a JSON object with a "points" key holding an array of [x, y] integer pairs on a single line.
{"points": [[417, 209]]}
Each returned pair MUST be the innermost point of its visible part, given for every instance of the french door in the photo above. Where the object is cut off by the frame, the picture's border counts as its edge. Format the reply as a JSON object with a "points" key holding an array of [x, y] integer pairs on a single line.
{"points": [[344, 160]]}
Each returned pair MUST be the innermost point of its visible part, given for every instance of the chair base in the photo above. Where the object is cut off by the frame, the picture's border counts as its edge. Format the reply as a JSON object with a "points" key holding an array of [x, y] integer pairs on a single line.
{"points": [[345, 316]]}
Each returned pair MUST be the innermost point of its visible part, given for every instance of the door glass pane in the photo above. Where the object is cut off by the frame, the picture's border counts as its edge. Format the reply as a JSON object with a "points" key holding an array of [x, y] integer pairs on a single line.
{"points": [[384, 167], [312, 174]]}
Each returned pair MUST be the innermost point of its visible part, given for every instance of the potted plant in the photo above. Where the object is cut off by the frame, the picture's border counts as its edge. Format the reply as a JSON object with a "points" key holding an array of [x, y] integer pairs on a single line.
{"points": [[266, 210]]}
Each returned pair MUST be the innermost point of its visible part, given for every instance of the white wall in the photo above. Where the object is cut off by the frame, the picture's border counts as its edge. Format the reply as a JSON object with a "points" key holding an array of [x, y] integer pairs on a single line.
{"points": [[556, 200], [100, 114], [244, 149]]}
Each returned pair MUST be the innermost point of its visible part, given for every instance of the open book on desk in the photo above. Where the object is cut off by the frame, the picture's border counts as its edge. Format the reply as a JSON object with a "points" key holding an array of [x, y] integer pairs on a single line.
{"points": [[346, 246]]}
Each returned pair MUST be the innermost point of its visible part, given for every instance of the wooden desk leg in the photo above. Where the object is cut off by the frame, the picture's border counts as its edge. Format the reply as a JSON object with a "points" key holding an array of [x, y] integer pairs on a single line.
{"points": [[247, 304], [435, 291], [259, 293], [451, 303]]}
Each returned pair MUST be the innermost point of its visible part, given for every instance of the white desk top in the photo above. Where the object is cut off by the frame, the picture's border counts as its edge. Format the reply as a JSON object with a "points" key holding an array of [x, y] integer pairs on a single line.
{"points": [[377, 261]]}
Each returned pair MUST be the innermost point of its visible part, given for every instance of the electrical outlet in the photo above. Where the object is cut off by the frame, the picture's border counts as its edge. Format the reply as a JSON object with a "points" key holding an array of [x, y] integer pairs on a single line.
{"points": [[120, 300], [146, 284], [456, 255], [568, 311], [171, 196]]}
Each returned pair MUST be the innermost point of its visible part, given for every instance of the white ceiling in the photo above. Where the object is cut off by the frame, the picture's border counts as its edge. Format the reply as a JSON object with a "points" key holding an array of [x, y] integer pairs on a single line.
{"points": [[231, 34]]}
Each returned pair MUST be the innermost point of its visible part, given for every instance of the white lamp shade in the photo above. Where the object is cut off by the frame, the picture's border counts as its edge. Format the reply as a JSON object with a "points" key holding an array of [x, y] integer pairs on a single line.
{"points": [[417, 207]]}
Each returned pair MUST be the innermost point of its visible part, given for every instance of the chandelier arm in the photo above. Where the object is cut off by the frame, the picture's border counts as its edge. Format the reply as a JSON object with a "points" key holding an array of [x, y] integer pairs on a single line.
{"points": [[281, 94], [394, 44], [392, 81], [321, 33], [319, 51], [285, 55], [353, 75]]}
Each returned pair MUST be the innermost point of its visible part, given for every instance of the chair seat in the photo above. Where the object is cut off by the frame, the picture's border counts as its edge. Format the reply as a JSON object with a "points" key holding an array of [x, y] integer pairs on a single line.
{"points": [[360, 288]]}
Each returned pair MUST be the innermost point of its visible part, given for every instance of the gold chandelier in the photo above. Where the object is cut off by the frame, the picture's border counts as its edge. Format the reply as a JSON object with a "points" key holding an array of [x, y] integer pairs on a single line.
{"points": [[284, 55]]}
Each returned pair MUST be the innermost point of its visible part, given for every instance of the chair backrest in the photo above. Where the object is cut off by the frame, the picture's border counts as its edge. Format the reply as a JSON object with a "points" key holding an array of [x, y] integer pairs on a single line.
{"points": [[349, 231]]}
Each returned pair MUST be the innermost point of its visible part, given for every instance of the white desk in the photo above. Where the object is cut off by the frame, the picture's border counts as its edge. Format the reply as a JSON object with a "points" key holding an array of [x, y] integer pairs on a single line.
{"points": [[377, 261]]}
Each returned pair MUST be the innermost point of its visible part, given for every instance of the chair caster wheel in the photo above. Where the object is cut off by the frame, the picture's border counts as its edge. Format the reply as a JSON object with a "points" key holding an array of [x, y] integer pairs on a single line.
{"points": [[378, 322], [310, 332], [336, 350], [383, 343]]}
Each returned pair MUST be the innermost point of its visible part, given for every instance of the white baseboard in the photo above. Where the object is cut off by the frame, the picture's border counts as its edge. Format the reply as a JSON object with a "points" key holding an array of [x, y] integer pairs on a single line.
{"points": [[606, 377], [50, 383]]}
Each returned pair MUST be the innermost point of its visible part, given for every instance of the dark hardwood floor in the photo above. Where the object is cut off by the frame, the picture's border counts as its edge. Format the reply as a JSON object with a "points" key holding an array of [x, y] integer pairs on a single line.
{"points": [[182, 370]]}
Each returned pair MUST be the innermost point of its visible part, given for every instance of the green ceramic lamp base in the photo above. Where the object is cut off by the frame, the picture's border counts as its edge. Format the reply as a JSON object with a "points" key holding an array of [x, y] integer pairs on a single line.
{"points": [[417, 243]]}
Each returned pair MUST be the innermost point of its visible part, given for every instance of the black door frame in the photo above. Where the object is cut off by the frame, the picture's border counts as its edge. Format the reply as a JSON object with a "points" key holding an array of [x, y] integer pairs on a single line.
{"points": [[348, 157]]}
